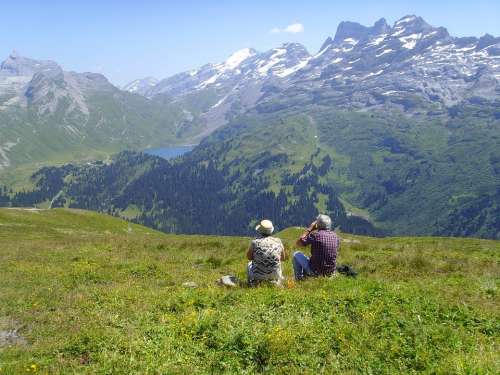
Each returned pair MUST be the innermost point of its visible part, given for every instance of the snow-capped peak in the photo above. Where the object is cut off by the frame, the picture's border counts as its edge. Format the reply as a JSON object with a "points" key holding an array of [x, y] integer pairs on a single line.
{"points": [[140, 86], [237, 58], [275, 58], [405, 19]]}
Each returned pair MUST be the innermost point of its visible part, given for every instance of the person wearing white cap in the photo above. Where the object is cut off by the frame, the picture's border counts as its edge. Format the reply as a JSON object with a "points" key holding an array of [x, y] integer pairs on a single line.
{"points": [[265, 255]]}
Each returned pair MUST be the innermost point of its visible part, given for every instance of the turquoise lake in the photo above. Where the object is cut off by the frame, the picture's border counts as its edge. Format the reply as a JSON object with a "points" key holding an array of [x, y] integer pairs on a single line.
{"points": [[169, 152]]}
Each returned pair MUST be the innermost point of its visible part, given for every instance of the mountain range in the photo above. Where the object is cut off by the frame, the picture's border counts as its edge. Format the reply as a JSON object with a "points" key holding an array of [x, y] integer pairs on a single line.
{"points": [[48, 114], [391, 129], [361, 67]]}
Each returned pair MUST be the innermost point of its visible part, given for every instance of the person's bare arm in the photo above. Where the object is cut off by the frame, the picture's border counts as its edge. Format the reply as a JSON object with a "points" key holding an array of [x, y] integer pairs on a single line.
{"points": [[250, 253], [304, 235], [283, 255]]}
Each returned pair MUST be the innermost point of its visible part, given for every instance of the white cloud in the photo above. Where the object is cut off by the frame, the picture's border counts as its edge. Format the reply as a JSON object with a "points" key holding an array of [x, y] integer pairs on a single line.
{"points": [[293, 28]]}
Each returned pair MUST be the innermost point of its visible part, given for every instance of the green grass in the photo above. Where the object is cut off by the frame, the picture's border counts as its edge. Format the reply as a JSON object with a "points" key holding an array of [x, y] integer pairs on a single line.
{"points": [[94, 294], [18, 178], [116, 121]]}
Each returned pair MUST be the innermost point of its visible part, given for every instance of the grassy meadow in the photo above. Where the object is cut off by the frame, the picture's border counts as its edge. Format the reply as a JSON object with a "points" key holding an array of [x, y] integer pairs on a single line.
{"points": [[91, 294]]}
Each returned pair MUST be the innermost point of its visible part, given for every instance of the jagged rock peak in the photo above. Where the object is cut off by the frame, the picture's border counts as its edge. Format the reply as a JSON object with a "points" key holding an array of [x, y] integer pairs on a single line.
{"points": [[15, 64], [292, 49], [326, 43], [410, 19], [141, 85], [413, 23], [381, 26], [487, 40], [293, 46], [238, 57], [354, 30]]}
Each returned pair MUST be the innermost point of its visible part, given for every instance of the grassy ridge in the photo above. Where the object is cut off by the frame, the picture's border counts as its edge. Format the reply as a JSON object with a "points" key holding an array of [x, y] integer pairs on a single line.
{"points": [[93, 294], [410, 175]]}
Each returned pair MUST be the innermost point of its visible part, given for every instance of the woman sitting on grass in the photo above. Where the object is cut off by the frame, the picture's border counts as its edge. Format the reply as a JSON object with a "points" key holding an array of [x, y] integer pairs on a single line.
{"points": [[265, 254]]}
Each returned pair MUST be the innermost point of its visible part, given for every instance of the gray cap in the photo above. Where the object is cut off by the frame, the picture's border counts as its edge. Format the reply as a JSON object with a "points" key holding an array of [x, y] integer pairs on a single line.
{"points": [[324, 222]]}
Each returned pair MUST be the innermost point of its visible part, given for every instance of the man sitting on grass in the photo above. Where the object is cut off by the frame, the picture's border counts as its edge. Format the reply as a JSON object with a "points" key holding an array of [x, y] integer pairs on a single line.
{"points": [[324, 246], [265, 254]]}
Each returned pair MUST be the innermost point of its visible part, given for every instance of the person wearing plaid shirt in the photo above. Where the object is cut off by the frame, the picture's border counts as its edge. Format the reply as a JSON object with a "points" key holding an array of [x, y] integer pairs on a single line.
{"points": [[324, 247]]}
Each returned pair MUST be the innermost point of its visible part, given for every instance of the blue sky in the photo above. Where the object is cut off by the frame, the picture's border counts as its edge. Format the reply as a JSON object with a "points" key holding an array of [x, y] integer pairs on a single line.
{"points": [[130, 39]]}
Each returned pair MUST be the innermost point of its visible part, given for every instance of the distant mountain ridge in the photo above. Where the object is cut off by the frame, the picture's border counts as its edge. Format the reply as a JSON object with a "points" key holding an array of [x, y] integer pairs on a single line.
{"points": [[411, 67], [140, 86], [47, 113], [360, 67]]}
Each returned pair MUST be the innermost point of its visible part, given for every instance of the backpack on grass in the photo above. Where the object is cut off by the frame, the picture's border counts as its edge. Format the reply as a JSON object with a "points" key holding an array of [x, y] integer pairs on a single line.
{"points": [[347, 270]]}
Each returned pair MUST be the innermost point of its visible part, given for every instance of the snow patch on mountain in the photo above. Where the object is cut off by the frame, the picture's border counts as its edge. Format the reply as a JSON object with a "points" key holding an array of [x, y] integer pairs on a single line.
{"points": [[140, 86], [377, 40], [405, 19], [236, 59], [432, 33], [293, 69], [374, 74], [209, 81], [275, 58], [385, 51], [410, 41], [4, 149], [222, 100], [397, 33], [351, 41], [466, 49]]}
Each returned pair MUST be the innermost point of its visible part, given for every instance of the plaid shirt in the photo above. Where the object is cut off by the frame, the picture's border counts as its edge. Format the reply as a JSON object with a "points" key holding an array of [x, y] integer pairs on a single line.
{"points": [[324, 246]]}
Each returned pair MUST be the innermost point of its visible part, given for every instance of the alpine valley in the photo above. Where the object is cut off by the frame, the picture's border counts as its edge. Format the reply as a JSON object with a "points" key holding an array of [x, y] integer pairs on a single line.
{"points": [[389, 129]]}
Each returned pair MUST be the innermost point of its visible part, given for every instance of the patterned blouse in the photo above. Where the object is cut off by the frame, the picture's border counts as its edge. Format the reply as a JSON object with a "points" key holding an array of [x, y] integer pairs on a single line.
{"points": [[266, 264]]}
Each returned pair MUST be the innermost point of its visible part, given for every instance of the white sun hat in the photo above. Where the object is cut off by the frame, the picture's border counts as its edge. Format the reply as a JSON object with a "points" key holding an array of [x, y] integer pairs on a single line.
{"points": [[265, 227]]}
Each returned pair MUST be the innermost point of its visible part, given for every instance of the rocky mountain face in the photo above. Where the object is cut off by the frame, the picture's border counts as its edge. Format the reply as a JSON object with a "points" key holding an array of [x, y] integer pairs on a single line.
{"points": [[370, 66], [140, 86], [43, 84], [46, 112], [231, 87], [407, 66], [410, 66], [243, 67]]}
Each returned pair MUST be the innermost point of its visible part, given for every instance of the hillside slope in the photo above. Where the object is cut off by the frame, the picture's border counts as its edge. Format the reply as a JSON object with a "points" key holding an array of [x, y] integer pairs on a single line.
{"points": [[89, 293], [49, 114], [197, 195], [401, 175]]}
